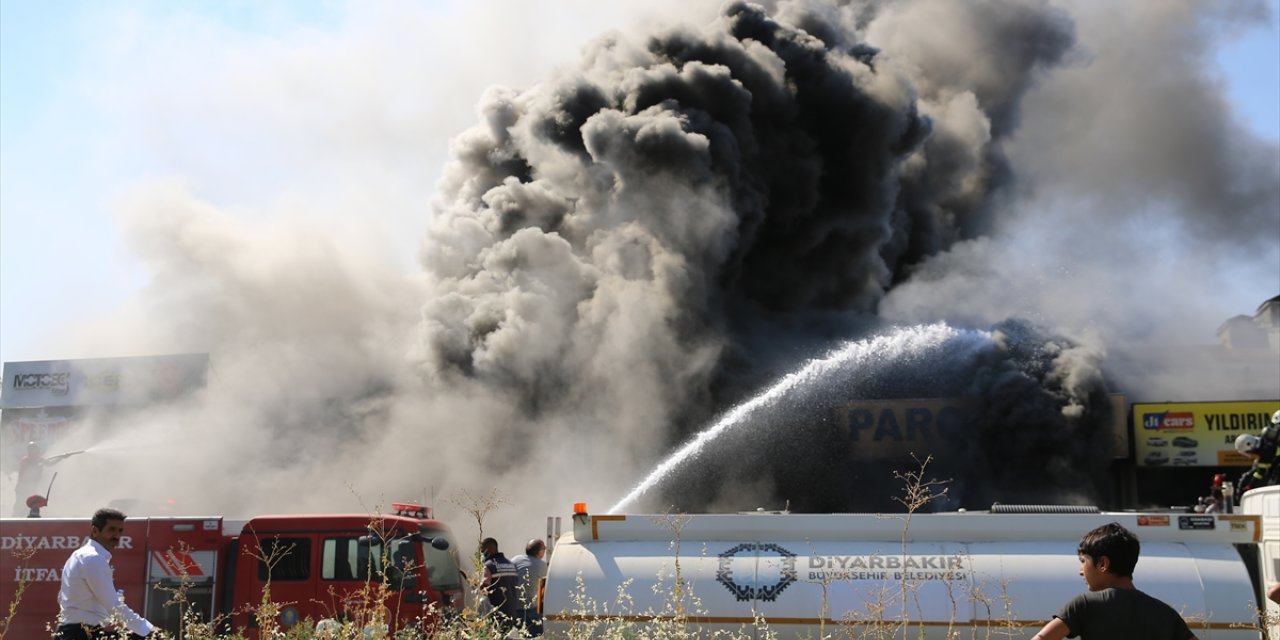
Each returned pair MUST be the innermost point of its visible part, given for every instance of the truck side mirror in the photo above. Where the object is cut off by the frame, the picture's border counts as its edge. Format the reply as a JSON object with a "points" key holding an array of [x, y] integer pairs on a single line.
{"points": [[438, 542]]}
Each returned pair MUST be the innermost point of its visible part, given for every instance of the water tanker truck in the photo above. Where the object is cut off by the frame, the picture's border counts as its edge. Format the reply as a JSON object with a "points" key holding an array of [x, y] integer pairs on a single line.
{"points": [[1002, 573]]}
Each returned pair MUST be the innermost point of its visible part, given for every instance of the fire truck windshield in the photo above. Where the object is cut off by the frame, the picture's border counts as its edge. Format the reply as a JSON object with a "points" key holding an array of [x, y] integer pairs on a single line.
{"points": [[392, 560], [442, 564]]}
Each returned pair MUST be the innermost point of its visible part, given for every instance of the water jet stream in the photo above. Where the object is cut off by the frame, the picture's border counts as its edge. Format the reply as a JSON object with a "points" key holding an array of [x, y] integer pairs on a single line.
{"points": [[909, 340]]}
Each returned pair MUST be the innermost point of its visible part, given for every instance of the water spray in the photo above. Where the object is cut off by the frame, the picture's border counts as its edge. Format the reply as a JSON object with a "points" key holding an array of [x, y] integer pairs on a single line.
{"points": [[910, 340]]}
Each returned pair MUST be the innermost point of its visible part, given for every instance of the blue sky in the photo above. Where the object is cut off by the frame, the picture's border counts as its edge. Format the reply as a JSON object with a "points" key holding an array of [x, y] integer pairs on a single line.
{"points": [[1251, 67], [97, 99]]}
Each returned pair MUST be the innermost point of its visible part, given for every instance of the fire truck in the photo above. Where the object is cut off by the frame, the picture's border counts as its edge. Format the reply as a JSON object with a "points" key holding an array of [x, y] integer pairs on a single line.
{"points": [[394, 570]]}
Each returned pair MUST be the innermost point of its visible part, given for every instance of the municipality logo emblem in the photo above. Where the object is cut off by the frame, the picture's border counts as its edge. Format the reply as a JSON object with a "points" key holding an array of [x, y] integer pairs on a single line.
{"points": [[756, 570]]}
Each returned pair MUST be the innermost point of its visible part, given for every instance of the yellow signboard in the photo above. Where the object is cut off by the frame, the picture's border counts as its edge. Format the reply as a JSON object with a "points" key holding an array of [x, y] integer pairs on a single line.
{"points": [[1196, 434]]}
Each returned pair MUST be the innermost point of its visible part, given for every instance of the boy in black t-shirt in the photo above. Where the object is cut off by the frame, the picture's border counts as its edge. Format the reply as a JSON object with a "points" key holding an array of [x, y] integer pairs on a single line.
{"points": [[1112, 608]]}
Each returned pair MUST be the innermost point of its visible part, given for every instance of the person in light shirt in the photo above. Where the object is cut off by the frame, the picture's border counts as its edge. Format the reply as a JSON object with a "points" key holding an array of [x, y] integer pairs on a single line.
{"points": [[530, 569], [90, 606]]}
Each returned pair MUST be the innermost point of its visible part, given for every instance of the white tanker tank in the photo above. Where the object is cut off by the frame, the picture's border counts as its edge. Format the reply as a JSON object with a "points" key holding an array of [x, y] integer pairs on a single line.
{"points": [[953, 575]]}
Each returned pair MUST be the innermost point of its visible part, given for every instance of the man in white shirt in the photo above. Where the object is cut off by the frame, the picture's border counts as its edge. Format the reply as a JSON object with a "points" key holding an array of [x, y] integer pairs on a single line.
{"points": [[91, 606]]}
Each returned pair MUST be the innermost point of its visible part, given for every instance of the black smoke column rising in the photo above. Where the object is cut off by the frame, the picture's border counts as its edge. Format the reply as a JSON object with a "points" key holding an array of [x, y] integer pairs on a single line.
{"points": [[615, 246]]}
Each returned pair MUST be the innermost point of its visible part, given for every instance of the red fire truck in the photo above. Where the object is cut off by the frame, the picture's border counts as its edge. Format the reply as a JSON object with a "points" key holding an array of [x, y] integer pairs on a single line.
{"points": [[316, 566]]}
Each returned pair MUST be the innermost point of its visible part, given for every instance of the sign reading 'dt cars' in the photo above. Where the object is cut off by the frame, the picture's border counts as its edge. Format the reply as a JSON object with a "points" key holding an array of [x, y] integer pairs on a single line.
{"points": [[1196, 434]]}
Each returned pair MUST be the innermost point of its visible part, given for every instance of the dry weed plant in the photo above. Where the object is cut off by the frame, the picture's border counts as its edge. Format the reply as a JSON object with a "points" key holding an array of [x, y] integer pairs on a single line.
{"points": [[478, 506], [1264, 622], [918, 491], [682, 598], [11, 611], [267, 611], [999, 619], [886, 609]]}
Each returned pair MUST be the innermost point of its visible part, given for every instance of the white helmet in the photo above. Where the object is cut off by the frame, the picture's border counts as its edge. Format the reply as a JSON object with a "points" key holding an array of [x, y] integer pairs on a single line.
{"points": [[1247, 443], [1275, 418]]}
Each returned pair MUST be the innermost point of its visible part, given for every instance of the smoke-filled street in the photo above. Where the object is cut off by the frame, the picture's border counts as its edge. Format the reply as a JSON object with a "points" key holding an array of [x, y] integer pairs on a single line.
{"points": [[432, 253]]}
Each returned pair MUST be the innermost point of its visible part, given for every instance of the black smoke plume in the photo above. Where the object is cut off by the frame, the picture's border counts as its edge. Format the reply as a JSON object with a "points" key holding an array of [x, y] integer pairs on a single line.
{"points": [[658, 222]]}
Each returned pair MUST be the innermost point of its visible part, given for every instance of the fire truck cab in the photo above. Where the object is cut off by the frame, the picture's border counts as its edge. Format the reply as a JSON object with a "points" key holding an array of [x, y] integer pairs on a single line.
{"points": [[395, 570]]}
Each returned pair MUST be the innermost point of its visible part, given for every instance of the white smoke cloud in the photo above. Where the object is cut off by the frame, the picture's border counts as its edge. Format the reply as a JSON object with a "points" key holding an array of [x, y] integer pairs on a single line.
{"points": [[1143, 207]]}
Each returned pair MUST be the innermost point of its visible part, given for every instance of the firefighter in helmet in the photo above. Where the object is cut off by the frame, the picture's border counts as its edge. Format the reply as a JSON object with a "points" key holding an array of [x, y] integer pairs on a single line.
{"points": [[1262, 448], [30, 470], [30, 476]]}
